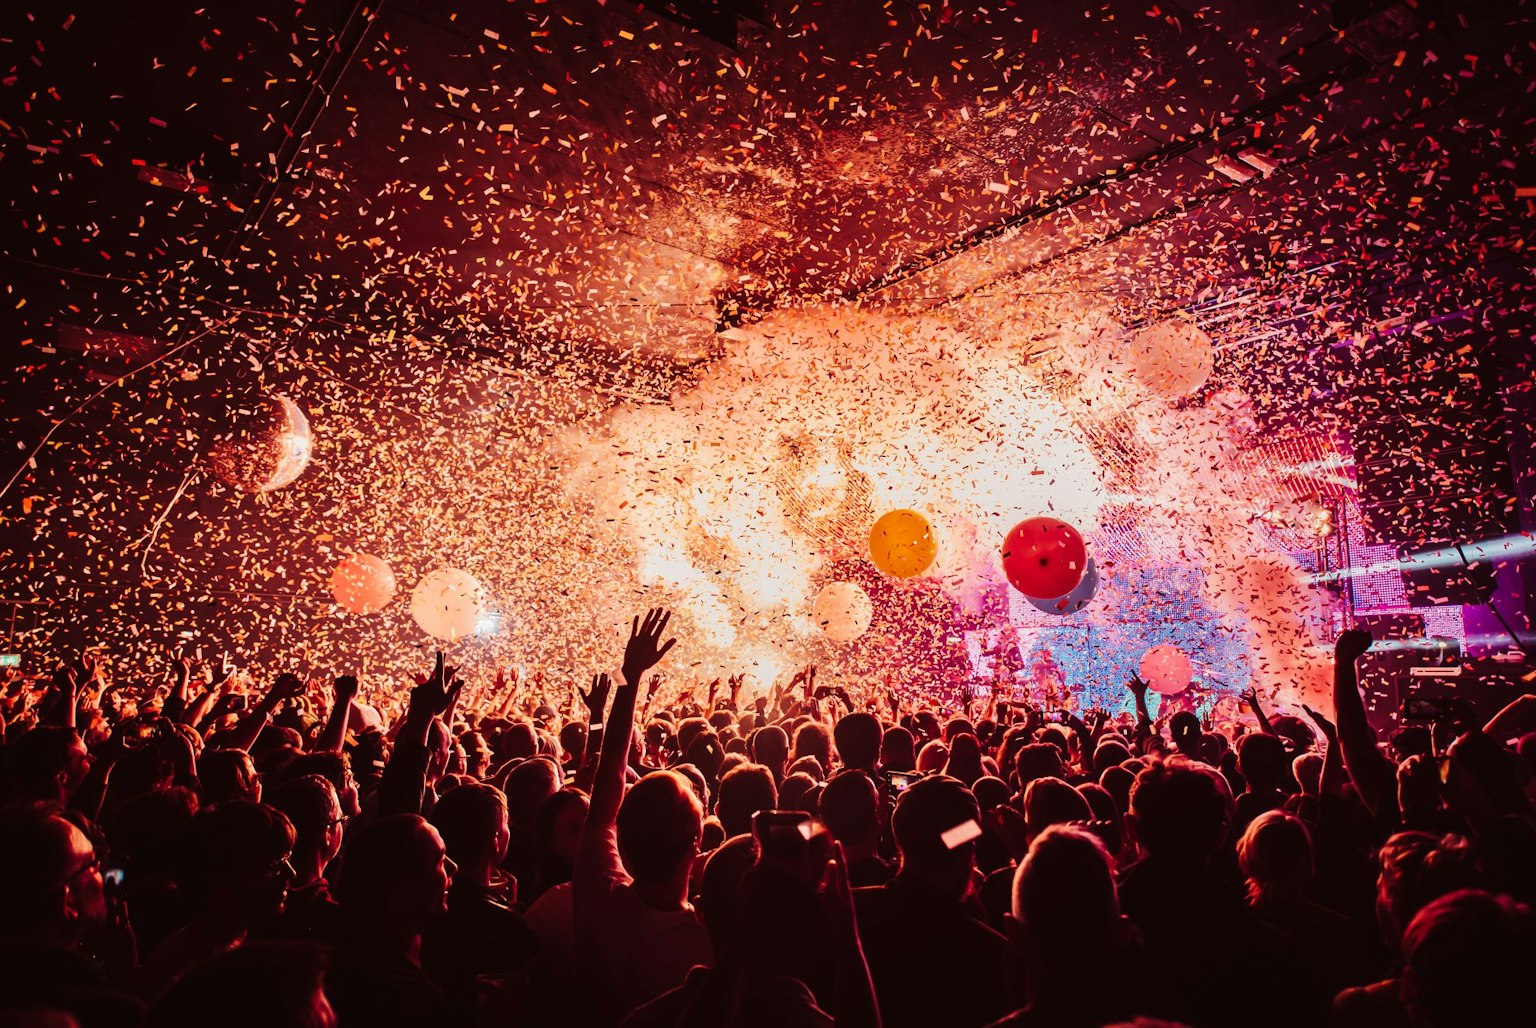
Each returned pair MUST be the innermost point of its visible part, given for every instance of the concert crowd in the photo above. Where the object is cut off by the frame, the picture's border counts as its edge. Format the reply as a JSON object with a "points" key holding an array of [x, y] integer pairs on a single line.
{"points": [[212, 851]]}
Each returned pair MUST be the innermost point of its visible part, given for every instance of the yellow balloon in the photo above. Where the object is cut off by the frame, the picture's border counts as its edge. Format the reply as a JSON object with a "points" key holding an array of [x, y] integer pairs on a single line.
{"points": [[902, 543]]}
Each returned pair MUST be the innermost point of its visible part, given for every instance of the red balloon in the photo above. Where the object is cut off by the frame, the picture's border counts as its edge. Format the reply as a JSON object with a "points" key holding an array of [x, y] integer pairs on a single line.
{"points": [[1044, 558]]}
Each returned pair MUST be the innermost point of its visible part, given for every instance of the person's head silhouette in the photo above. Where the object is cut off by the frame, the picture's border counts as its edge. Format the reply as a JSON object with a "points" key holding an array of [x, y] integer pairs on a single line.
{"points": [[396, 873], [44, 766], [1263, 762], [850, 808], [472, 820], [1180, 810], [1417, 868], [311, 805], [1275, 854], [744, 790], [1065, 910], [1051, 801], [1467, 961], [858, 740], [936, 823], [228, 775], [659, 825], [236, 863], [50, 881]]}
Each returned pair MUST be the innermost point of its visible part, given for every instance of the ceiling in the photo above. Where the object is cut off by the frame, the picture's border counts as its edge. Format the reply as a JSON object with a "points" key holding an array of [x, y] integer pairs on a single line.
{"points": [[587, 193], [578, 177]]}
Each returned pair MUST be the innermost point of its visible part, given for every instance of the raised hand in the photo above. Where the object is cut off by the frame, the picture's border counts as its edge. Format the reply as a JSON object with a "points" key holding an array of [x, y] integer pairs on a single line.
{"points": [[437, 694], [1250, 696], [1351, 645], [1324, 726], [652, 686], [288, 686], [645, 648], [596, 698], [344, 689], [1137, 686]]}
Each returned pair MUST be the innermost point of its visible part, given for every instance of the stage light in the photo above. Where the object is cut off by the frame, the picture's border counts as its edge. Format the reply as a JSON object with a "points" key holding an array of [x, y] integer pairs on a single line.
{"points": [[1499, 551], [1320, 516]]}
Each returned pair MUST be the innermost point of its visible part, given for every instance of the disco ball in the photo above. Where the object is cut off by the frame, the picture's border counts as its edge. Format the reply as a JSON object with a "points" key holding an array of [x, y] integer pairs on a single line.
{"points": [[265, 448]]}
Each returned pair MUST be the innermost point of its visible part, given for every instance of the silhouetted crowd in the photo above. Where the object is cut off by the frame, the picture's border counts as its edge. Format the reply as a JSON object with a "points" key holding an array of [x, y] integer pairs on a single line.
{"points": [[203, 854]]}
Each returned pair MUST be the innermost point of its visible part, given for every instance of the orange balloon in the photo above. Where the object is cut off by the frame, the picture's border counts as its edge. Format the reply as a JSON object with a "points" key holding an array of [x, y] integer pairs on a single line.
{"points": [[362, 584], [902, 543]]}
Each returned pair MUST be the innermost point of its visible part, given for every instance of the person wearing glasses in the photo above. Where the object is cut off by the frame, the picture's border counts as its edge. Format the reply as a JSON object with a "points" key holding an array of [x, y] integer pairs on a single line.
{"points": [[52, 901], [238, 870]]}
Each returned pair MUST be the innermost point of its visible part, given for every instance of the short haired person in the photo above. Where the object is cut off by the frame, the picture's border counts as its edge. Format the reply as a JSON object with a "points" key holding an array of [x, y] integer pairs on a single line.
{"points": [[636, 934], [850, 808], [51, 902], [483, 933], [932, 960], [313, 807], [43, 767], [744, 790], [858, 738], [1180, 814], [393, 884], [236, 874]]}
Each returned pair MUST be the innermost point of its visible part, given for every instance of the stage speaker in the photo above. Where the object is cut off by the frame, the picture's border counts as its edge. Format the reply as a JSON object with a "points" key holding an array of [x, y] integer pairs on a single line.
{"points": [[1440, 576]]}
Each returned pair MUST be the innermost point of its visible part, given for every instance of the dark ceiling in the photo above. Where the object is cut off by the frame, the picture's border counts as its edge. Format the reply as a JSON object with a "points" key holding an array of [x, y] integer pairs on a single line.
{"points": [[578, 175]]}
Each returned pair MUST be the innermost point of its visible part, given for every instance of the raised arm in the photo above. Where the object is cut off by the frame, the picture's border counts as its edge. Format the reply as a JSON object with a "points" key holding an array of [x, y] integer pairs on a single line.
{"points": [[1333, 760], [1251, 698], [175, 708], [218, 685], [403, 785], [1143, 717], [595, 700], [334, 735], [1373, 775], [598, 856], [1517, 718], [245, 733], [66, 694]]}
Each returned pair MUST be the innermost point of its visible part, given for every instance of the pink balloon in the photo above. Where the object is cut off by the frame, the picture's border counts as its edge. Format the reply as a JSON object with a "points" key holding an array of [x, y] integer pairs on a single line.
{"points": [[1166, 669]]}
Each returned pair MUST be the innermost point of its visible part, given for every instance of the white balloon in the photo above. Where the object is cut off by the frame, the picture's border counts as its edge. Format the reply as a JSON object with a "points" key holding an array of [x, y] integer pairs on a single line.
{"points": [[447, 603], [1172, 358], [842, 611]]}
